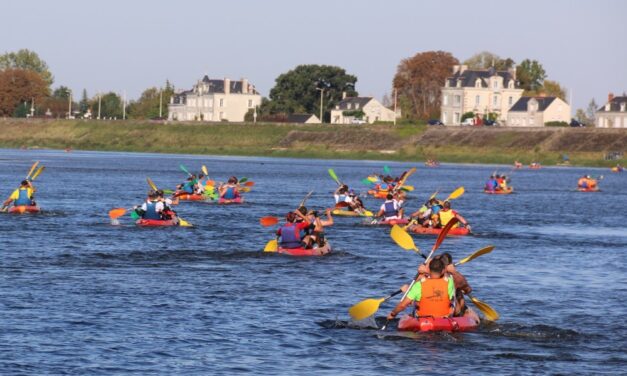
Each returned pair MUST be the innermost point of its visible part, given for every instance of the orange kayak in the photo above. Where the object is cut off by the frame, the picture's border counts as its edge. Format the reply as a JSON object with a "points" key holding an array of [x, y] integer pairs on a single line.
{"points": [[437, 324], [455, 231], [21, 209]]}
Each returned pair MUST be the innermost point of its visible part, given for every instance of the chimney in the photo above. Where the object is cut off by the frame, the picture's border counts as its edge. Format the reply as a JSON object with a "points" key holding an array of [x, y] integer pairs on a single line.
{"points": [[343, 95], [610, 96], [462, 68], [455, 69], [512, 72], [244, 86], [227, 86]]}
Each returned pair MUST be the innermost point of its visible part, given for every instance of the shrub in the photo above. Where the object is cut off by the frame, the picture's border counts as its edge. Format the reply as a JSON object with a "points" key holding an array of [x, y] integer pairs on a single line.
{"points": [[556, 124]]}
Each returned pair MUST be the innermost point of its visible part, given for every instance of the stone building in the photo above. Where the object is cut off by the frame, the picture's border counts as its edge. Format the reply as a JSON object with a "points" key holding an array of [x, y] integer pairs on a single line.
{"points": [[359, 110], [214, 100], [479, 91], [536, 111], [613, 114]]}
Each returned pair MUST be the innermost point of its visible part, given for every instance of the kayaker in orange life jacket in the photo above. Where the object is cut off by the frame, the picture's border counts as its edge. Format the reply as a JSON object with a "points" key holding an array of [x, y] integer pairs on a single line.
{"points": [[292, 232], [433, 295], [461, 287], [446, 214]]}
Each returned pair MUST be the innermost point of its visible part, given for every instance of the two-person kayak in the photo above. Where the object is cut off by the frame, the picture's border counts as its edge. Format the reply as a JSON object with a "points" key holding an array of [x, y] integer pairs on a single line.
{"points": [[351, 213], [237, 200], [455, 231], [437, 324], [505, 191], [301, 252], [157, 222], [22, 209]]}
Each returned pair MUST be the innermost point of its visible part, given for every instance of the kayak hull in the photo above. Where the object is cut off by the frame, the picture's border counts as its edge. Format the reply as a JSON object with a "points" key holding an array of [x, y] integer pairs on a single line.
{"points": [[437, 324], [595, 189], [23, 209], [192, 197], [351, 213], [507, 191], [302, 252], [223, 201], [157, 222], [378, 194], [455, 231], [392, 222]]}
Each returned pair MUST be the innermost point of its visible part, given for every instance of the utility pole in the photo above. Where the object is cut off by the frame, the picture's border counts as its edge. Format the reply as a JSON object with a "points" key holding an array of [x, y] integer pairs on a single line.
{"points": [[321, 103], [69, 110], [124, 105], [160, 103], [395, 93], [99, 103]]}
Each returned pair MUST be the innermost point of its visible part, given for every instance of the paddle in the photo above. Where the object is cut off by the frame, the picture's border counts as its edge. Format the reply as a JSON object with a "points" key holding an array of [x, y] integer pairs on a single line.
{"points": [[32, 169], [367, 182], [334, 176], [242, 180], [476, 254], [485, 308], [372, 179], [401, 182], [37, 173], [152, 185], [204, 170], [268, 221], [185, 170], [387, 170], [184, 223], [404, 240], [302, 203], [249, 183], [368, 307], [407, 188], [272, 246], [116, 213], [434, 194], [455, 194]]}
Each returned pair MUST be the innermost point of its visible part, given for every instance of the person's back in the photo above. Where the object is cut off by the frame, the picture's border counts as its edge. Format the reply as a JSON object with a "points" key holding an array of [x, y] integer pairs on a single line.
{"points": [[23, 197], [389, 209], [291, 233]]}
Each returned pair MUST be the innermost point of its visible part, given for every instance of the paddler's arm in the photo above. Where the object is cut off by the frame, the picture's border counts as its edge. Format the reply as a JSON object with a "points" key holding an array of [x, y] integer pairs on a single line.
{"points": [[329, 221]]}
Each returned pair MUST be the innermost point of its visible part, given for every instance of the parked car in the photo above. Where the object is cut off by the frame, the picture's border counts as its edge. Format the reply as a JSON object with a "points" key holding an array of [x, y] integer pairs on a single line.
{"points": [[358, 121], [576, 123], [435, 122], [490, 123], [468, 121]]}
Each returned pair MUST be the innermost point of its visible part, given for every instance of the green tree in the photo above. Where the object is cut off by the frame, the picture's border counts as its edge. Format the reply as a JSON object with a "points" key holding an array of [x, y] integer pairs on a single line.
{"points": [[531, 75], [486, 59], [83, 105], [147, 106], [26, 59], [591, 111], [419, 80], [553, 89], [110, 106], [297, 91], [62, 92], [468, 115]]}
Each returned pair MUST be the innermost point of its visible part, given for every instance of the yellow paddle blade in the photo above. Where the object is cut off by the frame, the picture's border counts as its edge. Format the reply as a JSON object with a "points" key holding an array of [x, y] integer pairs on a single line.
{"points": [[434, 194], [408, 188], [184, 223], [272, 246], [455, 194], [402, 238], [372, 179], [33, 167], [152, 185], [116, 213], [244, 189], [478, 253], [365, 309], [487, 311], [38, 172], [204, 170]]}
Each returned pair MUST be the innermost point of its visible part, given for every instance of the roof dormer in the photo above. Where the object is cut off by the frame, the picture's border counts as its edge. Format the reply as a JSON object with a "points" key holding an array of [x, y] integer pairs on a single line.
{"points": [[478, 82], [622, 106]]}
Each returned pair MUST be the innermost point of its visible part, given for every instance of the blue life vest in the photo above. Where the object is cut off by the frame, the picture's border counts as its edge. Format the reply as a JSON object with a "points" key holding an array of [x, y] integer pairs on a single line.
{"points": [[290, 236], [390, 210], [229, 194], [151, 211], [188, 187], [385, 187], [23, 199], [435, 209]]}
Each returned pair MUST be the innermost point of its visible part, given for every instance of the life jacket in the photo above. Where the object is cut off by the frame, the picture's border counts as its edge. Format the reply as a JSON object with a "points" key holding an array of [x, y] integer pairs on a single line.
{"points": [[24, 198], [290, 236], [230, 193], [341, 198], [151, 211], [435, 209], [188, 187], [384, 187], [434, 300], [446, 216], [390, 209]]}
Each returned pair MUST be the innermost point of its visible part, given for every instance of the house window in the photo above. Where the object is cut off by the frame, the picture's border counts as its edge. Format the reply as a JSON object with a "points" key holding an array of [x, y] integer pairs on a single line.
{"points": [[510, 101], [458, 100], [356, 105], [495, 100], [349, 106], [456, 118], [221, 105], [445, 100], [478, 83], [444, 117], [511, 85], [477, 100], [250, 103], [495, 84]]}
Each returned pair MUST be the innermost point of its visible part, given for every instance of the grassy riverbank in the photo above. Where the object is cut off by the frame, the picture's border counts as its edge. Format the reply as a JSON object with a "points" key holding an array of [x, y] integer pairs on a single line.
{"points": [[380, 142]]}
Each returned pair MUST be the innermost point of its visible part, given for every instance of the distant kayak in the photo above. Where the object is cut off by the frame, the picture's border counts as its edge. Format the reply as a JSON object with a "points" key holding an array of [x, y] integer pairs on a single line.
{"points": [[455, 231], [591, 189], [22, 209], [157, 222], [500, 192], [302, 252], [616, 169], [224, 201], [351, 213], [535, 166], [391, 222], [437, 324]]}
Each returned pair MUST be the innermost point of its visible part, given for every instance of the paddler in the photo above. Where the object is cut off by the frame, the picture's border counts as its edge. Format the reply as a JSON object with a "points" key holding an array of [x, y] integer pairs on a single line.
{"points": [[317, 235], [189, 187], [491, 184], [229, 191], [446, 214], [341, 194], [461, 287], [152, 208], [23, 196], [292, 231], [167, 212], [433, 294], [390, 209]]}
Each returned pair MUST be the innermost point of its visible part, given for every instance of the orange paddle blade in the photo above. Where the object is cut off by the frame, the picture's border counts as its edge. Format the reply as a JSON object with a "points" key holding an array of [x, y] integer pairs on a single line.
{"points": [[268, 221], [116, 213], [249, 183]]}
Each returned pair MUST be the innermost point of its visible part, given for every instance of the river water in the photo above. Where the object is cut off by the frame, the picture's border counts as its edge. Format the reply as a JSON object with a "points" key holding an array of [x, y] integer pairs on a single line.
{"points": [[80, 296]]}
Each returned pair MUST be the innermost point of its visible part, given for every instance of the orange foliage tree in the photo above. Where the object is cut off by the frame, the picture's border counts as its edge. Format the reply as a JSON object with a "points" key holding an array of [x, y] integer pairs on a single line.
{"points": [[418, 82], [18, 86]]}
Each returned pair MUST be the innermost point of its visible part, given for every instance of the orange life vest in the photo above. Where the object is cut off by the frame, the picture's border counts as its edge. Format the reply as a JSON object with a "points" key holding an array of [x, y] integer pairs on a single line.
{"points": [[434, 300], [446, 216]]}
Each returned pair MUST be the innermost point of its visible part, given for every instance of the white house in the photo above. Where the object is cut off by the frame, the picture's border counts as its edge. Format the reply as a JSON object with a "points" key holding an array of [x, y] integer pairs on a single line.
{"points": [[536, 111], [214, 100], [613, 114], [357, 110]]}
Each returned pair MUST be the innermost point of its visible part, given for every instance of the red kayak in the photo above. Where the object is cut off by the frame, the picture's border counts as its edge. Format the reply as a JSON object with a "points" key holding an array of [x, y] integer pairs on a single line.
{"points": [[21, 209], [437, 324], [500, 191], [392, 222], [225, 201], [157, 222], [455, 231], [192, 197], [378, 194], [299, 252], [593, 189]]}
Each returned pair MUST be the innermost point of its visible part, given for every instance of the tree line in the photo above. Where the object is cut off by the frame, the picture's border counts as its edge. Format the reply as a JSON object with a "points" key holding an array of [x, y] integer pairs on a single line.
{"points": [[26, 88]]}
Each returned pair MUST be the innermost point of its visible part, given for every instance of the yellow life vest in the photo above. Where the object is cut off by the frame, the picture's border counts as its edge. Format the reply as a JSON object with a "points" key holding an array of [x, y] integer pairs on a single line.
{"points": [[446, 216]]}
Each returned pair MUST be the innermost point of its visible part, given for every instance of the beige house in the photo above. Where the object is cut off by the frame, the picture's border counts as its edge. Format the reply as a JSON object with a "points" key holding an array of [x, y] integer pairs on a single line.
{"points": [[479, 91], [613, 114], [536, 111], [214, 100], [359, 110]]}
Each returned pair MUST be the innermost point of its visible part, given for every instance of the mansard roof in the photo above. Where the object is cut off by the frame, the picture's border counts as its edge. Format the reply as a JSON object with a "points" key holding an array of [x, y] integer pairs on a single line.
{"points": [[521, 104], [469, 76], [614, 104], [354, 102]]}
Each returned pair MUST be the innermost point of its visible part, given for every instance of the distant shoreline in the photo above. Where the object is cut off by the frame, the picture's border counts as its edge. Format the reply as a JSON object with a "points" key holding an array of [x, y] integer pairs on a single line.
{"points": [[584, 147]]}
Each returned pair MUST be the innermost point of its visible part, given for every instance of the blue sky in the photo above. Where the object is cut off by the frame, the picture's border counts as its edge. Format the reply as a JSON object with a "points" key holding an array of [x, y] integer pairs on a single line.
{"points": [[131, 45]]}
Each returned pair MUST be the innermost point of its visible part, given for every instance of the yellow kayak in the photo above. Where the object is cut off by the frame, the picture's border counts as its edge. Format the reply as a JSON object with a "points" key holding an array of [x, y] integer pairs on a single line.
{"points": [[350, 213]]}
